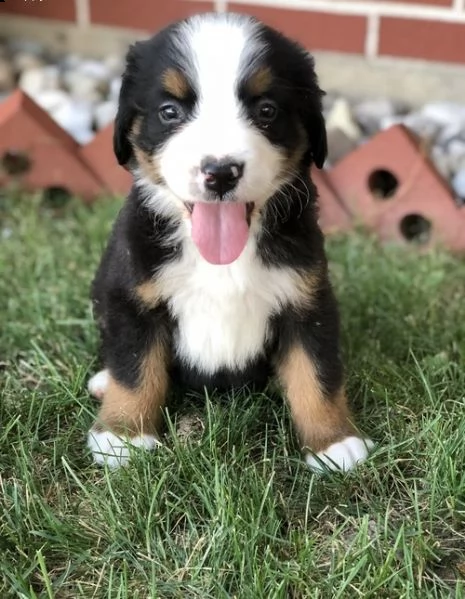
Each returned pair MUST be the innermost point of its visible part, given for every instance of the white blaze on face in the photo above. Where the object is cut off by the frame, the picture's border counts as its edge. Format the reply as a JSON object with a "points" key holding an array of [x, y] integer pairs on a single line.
{"points": [[218, 51]]}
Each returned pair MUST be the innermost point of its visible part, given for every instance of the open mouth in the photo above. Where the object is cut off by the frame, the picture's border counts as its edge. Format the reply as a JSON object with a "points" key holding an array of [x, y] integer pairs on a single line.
{"points": [[249, 206], [220, 230]]}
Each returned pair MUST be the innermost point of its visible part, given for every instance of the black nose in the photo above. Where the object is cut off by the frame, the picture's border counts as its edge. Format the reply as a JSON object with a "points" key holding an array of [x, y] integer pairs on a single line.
{"points": [[221, 176]]}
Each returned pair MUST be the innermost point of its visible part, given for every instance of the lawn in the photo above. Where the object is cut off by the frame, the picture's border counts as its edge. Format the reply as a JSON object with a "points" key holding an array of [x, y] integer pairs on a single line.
{"points": [[226, 508]]}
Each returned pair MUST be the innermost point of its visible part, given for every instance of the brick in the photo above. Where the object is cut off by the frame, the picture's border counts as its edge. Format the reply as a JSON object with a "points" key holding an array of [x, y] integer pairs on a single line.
{"points": [[315, 30], [149, 15], [428, 2], [28, 132], [100, 156], [428, 40], [334, 217], [60, 10], [394, 162]]}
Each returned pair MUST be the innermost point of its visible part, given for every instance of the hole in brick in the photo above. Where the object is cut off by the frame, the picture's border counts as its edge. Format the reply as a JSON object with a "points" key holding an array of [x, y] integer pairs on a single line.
{"points": [[56, 196], [416, 228], [15, 163], [383, 184]]}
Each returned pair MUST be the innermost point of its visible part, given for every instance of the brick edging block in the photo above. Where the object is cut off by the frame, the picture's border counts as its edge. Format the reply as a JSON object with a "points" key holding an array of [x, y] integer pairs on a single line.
{"points": [[390, 185], [50, 157], [59, 10]]}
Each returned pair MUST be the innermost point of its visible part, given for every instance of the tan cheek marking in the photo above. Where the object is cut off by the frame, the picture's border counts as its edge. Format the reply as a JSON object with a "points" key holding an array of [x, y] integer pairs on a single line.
{"points": [[260, 82], [175, 83], [148, 294], [320, 421], [293, 159], [149, 165], [135, 130], [137, 411]]}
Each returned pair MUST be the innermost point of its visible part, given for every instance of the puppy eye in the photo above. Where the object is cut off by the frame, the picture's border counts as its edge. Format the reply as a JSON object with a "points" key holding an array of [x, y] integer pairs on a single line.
{"points": [[171, 114], [266, 111]]}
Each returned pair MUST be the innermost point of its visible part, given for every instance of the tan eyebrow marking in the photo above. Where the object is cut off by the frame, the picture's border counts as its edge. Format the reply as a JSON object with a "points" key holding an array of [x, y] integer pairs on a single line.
{"points": [[260, 82], [175, 83]]}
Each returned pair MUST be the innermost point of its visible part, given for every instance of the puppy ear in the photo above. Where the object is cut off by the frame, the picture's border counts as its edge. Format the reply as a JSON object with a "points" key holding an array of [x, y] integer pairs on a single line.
{"points": [[311, 108], [124, 118], [318, 140], [127, 111]]}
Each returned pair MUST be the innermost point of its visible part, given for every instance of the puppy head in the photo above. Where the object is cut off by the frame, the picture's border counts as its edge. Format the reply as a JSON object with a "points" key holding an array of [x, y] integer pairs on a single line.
{"points": [[216, 113]]}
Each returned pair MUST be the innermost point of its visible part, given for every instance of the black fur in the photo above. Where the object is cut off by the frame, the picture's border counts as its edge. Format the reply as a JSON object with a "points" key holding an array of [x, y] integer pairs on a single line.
{"points": [[290, 237]]}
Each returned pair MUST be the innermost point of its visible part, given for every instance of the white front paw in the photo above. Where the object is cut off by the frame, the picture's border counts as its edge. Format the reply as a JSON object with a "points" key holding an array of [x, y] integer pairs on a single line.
{"points": [[108, 448], [98, 384], [344, 455]]}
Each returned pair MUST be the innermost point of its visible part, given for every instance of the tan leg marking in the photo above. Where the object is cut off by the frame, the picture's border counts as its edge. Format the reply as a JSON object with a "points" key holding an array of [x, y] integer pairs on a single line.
{"points": [[148, 294], [130, 416], [137, 411], [323, 423], [320, 421]]}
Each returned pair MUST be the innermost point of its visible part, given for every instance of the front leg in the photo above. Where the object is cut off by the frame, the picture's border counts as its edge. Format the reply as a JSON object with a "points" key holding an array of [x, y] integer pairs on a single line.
{"points": [[132, 388], [309, 370]]}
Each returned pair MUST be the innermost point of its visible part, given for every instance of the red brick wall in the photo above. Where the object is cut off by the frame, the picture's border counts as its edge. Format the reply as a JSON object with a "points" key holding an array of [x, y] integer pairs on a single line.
{"points": [[62, 10], [424, 29]]}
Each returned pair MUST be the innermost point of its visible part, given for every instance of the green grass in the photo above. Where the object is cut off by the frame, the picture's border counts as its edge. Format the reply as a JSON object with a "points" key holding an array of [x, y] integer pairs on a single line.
{"points": [[227, 508]]}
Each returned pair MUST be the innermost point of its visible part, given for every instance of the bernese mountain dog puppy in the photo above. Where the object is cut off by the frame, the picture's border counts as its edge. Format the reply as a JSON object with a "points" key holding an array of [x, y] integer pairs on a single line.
{"points": [[215, 274]]}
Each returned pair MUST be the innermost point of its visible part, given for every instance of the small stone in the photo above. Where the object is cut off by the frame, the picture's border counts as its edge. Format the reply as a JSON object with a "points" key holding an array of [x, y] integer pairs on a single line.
{"points": [[105, 113], [83, 86], [24, 61], [18, 45], [51, 100], [401, 107], [444, 113], [340, 117], [96, 69], [416, 122], [456, 147], [328, 102], [35, 80], [390, 121], [457, 163], [441, 161], [369, 113], [451, 132], [115, 64], [189, 427], [115, 87], [7, 76], [458, 185], [339, 145], [75, 117], [456, 154], [70, 62], [423, 127]]}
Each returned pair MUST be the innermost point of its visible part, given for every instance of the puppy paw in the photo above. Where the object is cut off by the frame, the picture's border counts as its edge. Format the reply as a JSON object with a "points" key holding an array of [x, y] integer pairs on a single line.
{"points": [[107, 448], [98, 384], [344, 455]]}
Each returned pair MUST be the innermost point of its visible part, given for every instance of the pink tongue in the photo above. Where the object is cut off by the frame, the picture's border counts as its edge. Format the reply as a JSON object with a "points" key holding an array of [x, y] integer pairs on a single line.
{"points": [[219, 230]]}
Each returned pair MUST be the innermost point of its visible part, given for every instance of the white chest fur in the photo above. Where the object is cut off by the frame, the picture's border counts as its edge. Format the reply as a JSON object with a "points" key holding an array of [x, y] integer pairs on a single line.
{"points": [[223, 312]]}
